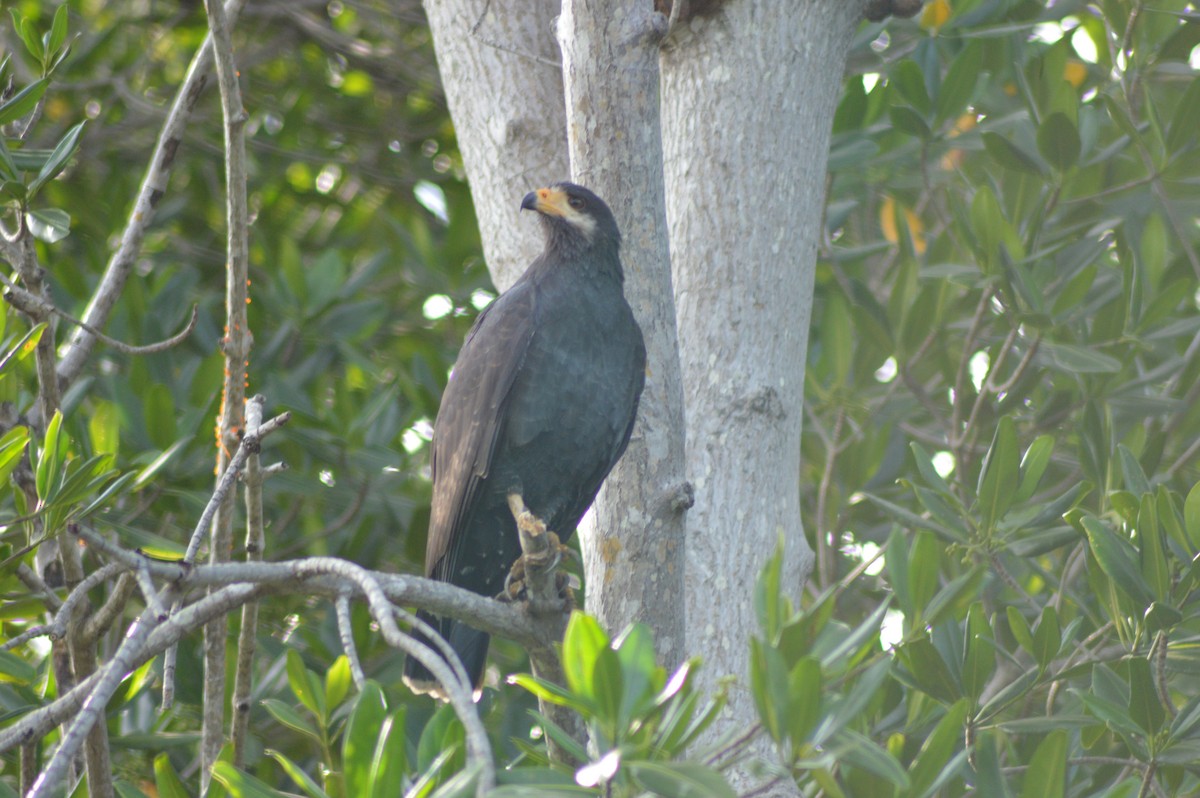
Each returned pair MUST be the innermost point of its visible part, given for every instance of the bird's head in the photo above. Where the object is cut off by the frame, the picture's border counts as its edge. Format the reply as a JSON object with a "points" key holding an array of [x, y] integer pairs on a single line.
{"points": [[573, 217]]}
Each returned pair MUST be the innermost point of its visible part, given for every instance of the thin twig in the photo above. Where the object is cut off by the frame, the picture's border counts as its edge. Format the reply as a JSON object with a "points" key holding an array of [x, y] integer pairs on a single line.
{"points": [[114, 605], [57, 628], [346, 633], [154, 186], [236, 347], [255, 542], [29, 302]]}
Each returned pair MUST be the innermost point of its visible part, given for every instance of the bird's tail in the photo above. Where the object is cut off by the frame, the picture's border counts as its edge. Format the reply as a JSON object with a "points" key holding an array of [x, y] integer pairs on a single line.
{"points": [[470, 644]]}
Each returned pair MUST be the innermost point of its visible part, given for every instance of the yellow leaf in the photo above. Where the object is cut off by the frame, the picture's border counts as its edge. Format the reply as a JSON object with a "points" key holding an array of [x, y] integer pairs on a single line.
{"points": [[935, 14], [887, 222], [1075, 72]]}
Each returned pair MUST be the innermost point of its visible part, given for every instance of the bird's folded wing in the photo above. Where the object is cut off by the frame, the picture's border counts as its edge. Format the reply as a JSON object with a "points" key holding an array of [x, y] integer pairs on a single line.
{"points": [[473, 410]]}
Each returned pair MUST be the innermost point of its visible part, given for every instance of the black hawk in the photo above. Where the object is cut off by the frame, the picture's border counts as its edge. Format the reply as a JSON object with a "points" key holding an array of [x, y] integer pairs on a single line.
{"points": [[541, 402]]}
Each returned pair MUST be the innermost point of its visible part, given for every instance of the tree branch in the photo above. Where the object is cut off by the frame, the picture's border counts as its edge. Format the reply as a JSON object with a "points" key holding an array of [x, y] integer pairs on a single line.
{"points": [[154, 186]]}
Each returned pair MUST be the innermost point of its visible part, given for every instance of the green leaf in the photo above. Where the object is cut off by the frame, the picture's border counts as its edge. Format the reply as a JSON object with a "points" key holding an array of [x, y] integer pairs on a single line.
{"points": [[15, 669], [1117, 559], [305, 685], [640, 672], [1033, 466], [158, 408], [290, 717], [768, 595], [804, 699], [1047, 773], [1000, 473], [608, 689], [1151, 549], [549, 691], [243, 785], [845, 645], [1135, 477], [58, 31], [1144, 705], [24, 29], [443, 734], [12, 449], [58, 159], [389, 763], [1047, 638], [166, 780], [1186, 120], [363, 730], [928, 670], [909, 121], [857, 750], [989, 778], [939, 746], [1019, 628], [147, 474], [1058, 141], [582, 643], [988, 225], [950, 597], [104, 427], [959, 83], [297, 774], [49, 224], [924, 567], [769, 686], [8, 167], [51, 456], [1080, 359], [337, 682], [23, 102], [680, 779], [1010, 156], [979, 659], [1191, 516], [908, 80], [845, 710], [925, 467]]}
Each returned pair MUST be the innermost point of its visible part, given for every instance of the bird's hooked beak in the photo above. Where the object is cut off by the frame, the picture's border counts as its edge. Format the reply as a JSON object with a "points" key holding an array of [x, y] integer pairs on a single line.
{"points": [[554, 203], [550, 201]]}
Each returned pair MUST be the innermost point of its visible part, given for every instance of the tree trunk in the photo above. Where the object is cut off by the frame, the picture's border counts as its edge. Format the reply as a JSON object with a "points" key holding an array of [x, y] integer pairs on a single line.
{"points": [[748, 95], [500, 70], [633, 546]]}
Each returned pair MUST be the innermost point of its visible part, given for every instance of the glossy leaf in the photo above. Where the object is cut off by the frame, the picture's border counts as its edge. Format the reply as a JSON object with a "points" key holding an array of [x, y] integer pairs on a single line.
{"points": [[166, 780], [1058, 141], [363, 729], [1046, 776], [680, 780]]}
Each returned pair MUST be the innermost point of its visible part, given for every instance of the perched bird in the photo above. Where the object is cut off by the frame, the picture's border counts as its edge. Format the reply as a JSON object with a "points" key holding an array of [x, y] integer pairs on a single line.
{"points": [[541, 402]]}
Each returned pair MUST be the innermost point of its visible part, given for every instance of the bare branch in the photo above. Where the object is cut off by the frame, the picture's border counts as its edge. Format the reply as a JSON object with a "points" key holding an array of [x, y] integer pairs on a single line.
{"points": [[40, 307], [228, 477], [104, 617], [255, 542], [346, 633], [236, 346], [541, 553], [154, 186], [57, 628]]}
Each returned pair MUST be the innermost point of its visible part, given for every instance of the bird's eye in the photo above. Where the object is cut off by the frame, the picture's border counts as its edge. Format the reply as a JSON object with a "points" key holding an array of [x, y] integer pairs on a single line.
{"points": [[575, 202]]}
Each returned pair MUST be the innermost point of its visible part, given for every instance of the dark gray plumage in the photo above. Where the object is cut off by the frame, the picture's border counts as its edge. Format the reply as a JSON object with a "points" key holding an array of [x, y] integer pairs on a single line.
{"points": [[541, 401]]}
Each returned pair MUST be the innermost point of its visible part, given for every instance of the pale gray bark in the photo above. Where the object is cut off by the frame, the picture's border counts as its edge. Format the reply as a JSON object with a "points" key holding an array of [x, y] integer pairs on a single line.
{"points": [[633, 544], [499, 66], [748, 96], [748, 91]]}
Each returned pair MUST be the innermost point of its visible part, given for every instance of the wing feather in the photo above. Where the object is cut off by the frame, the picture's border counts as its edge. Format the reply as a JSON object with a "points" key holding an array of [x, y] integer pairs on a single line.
{"points": [[473, 410]]}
